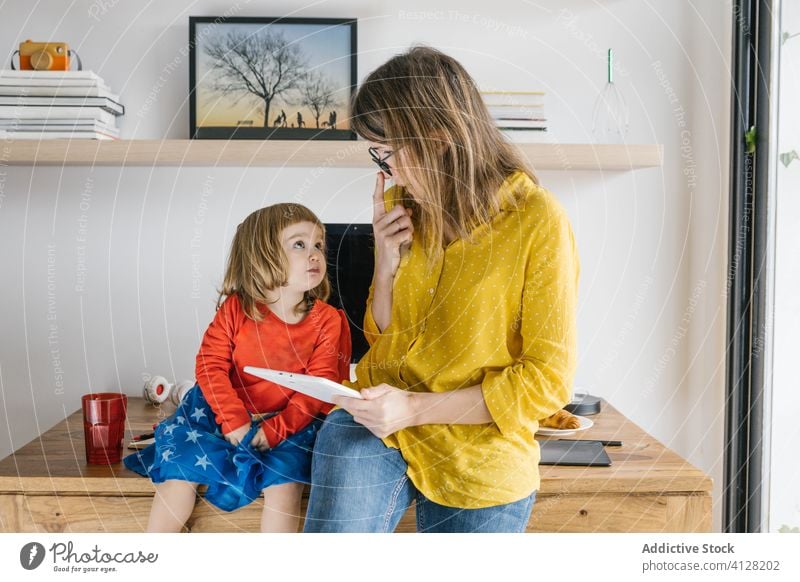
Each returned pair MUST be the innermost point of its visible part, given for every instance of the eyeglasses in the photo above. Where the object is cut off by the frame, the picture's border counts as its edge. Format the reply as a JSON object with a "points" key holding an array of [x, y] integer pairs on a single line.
{"points": [[381, 162]]}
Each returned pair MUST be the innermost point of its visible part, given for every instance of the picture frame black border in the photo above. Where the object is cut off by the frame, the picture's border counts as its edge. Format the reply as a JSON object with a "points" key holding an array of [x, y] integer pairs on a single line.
{"points": [[261, 133]]}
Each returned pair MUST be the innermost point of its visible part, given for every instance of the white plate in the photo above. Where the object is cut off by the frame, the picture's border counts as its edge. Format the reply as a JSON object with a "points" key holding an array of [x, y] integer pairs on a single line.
{"points": [[319, 388], [585, 423]]}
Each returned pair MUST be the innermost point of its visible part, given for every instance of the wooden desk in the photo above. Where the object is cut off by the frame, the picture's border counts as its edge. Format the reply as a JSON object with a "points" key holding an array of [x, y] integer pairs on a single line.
{"points": [[46, 486]]}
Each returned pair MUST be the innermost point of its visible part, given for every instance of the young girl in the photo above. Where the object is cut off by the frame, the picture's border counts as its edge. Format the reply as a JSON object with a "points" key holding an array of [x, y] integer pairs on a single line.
{"points": [[238, 434]]}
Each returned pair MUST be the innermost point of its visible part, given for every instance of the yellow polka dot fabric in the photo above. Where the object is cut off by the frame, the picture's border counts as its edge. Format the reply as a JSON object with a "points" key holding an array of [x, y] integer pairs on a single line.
{"points": [[498, 311]]}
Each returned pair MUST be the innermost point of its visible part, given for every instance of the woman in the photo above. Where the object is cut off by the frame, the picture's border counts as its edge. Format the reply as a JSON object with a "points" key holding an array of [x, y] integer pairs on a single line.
{"points": [[470, 318]]}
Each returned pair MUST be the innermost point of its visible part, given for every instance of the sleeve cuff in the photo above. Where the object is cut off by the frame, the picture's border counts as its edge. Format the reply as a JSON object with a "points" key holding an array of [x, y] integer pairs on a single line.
{"points": [[232, 422], [512, 403], [273, 438], [501, 408]]}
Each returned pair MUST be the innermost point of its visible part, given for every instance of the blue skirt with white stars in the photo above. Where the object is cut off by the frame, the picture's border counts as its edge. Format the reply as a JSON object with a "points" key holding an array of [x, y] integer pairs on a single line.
{"points": [[189, 446]]}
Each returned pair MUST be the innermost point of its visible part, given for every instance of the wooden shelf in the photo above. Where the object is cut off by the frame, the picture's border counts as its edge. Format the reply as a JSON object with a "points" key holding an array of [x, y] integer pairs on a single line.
{"points": [[340, 154]]}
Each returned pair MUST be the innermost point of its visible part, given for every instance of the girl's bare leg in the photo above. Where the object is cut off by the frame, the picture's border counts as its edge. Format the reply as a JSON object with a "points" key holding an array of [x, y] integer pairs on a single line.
{"points": [[172, 506], [282, 508]]}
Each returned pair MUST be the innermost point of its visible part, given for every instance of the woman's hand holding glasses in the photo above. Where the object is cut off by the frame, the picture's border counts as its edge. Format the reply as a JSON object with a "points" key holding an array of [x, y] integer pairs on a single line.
{"points": [[391, 229]]}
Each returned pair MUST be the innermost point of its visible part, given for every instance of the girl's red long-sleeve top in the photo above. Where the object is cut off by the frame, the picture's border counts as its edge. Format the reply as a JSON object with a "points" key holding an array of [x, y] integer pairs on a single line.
{"points": [[319, 345]]}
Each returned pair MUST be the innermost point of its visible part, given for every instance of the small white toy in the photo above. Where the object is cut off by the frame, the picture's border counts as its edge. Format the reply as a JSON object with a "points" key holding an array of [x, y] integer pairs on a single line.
{"points": [[158, 390]]}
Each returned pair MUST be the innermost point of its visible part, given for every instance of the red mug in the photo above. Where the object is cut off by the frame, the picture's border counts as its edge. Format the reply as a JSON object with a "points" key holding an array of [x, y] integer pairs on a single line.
{"points": [[104, 426]]}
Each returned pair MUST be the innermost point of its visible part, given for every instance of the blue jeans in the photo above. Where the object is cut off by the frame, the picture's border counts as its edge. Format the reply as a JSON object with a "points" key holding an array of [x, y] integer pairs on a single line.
{"points": [[358, 484]]}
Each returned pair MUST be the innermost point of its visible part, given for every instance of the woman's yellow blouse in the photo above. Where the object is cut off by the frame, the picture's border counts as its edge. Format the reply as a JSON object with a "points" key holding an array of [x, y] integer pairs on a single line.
{"points": [[500, 312]]}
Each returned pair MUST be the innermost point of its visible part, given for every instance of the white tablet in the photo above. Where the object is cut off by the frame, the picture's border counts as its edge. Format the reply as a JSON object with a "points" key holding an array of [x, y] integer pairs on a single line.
{"points": [[319, 388]]}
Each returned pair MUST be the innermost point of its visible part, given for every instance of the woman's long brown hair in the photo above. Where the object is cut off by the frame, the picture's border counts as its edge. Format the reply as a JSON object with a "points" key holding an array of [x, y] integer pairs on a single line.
{"points": [[257, 262], [454, 159]]}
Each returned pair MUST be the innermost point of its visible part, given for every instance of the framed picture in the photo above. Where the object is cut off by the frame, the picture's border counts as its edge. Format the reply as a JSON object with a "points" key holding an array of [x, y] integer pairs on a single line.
{"points": [[271, 78]]}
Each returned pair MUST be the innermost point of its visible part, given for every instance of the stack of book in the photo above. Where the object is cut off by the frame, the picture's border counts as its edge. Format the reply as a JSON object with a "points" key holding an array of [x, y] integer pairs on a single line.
{"points": [[518, 114], [57, 105]]}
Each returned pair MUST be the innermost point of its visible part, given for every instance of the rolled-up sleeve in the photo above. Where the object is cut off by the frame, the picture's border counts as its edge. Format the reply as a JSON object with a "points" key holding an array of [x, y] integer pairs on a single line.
{"points": [[540, 381]]}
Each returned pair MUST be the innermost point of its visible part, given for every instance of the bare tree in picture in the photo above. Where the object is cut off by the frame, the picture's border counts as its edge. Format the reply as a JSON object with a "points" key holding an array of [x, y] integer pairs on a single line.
{"points": [[256, 66], [316, 93]]}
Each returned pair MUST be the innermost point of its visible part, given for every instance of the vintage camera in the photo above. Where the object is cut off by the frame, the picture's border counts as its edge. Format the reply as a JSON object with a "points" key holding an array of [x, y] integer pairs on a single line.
{"points": [[44, 56]]}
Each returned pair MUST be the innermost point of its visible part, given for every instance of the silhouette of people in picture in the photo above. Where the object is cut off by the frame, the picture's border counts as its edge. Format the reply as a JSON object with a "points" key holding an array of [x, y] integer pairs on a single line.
{"points": [[280, 121], [300, 122], [332, 120]]}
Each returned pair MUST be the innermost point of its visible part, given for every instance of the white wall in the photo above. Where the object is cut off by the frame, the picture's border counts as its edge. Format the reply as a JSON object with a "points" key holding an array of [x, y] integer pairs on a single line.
{"points": [[652, 242]]}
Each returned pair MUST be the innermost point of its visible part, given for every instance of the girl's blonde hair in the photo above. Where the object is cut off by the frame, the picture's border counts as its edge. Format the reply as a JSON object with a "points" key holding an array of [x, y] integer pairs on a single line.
{"points": [[425, 103], [257, 263]]}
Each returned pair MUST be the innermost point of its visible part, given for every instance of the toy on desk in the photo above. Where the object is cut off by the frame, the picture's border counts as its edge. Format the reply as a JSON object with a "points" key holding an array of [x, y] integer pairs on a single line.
{"points": [[157, 390]]}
